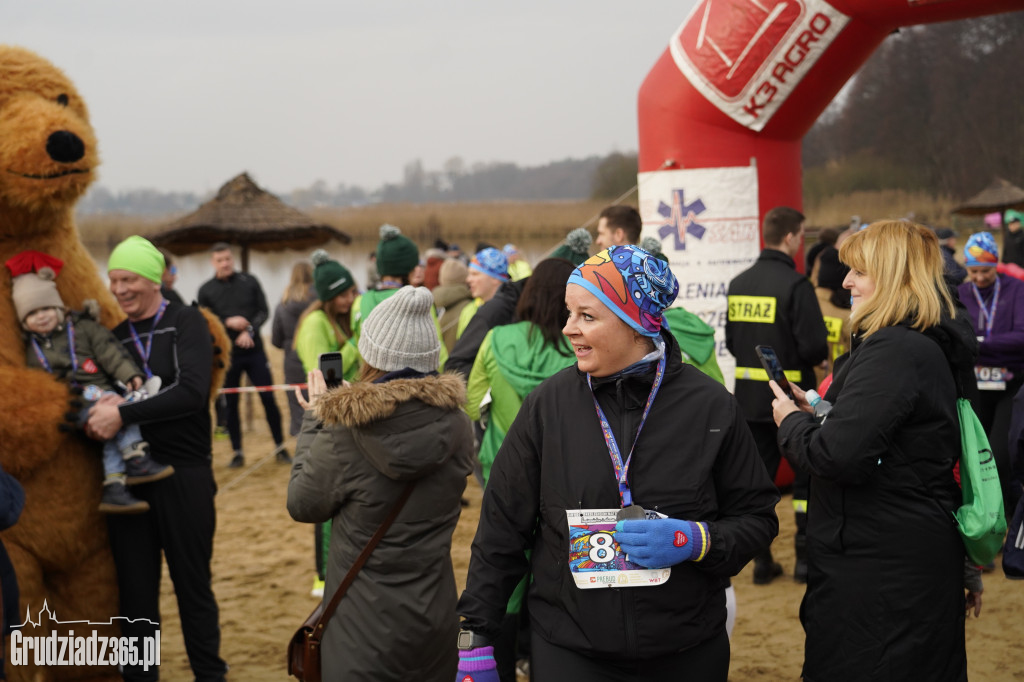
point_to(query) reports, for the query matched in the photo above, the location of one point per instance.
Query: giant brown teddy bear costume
(59, 547)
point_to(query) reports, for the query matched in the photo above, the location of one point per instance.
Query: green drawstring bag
(981, 519)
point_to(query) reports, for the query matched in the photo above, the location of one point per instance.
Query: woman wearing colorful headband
(635, 482)
(995, 306)
(885, 597)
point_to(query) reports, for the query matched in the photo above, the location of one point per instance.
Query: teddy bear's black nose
(65, 147)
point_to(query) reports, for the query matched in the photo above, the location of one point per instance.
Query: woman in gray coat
(360, 445)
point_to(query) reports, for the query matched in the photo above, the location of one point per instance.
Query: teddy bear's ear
(91, 307)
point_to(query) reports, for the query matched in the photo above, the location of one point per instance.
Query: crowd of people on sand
(624, 485)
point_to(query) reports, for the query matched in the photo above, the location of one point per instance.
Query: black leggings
(706, 662)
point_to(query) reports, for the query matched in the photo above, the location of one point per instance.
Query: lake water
(273, 269)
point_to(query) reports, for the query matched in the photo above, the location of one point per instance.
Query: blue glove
(658, 543)
(477, 665)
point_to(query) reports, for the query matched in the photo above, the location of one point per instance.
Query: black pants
(254, 364)
(766, 438)
(180, 523)
(994, 411)
(706, 662)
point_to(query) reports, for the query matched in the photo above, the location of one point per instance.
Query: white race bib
(595, 559)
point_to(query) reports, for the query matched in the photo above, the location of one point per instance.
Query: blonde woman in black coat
(885, 597)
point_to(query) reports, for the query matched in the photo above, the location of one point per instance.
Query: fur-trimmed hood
(363, 403)
(404, 427)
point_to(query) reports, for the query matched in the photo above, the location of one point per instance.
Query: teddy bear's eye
(62, 100)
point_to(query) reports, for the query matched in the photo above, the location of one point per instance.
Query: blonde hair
(299, 285)
(904, 260)
(369, 374)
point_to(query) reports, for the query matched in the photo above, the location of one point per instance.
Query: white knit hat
(33, 291)
(400, 333)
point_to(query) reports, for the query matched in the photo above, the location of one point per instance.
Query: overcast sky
(186, 94)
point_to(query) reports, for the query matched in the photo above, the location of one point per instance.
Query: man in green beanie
(170, 341)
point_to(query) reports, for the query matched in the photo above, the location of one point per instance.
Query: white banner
(707, 222)
(747, 56)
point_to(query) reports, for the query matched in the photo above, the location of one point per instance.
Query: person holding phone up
(359, 447)
(885, 587)
(325, 327)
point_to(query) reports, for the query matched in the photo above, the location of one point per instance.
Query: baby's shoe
(141, 468)
(117, 500)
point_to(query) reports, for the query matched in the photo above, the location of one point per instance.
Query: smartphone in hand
(770, 362)
(332, 368)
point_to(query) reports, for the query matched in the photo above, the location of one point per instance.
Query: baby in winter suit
(77, 349)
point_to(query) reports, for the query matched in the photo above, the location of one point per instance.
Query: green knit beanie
(136, 254)
(576, 247)
(397, 255)
(330, 277)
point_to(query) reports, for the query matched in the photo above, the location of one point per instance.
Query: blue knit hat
(981, 251)
(492, 263)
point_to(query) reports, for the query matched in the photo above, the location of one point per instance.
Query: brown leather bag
(304, 647)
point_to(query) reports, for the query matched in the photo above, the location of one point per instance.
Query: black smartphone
(331, 366)
(770, 362)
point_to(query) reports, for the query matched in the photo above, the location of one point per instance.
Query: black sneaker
(144, 469)
(238, 461)
(117, 500)
(282, 456)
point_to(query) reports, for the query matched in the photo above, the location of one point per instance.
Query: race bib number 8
(595, 559)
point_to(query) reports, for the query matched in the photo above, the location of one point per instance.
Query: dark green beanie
(397, 255)
(330, 277)
(576, 247)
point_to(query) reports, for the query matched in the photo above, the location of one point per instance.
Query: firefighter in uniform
(774, 305)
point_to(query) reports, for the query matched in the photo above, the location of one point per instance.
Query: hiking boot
(765, 572)
(281, 454)
(800, 568)
(139, 467)
(766, 569)
(117, 500)
(238, 461)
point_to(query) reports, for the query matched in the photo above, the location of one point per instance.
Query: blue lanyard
(144, 352)
(986, 315)
(71, 352)
(622, 468)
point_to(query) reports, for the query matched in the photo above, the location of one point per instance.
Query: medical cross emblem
(681, 219)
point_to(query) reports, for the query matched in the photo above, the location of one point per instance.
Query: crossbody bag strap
(360, 560)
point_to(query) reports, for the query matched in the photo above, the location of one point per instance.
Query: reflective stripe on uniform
(758, 374)
(800, 506)
(752, 309)
(834, 325)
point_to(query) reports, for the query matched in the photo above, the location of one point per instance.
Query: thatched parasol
(998, 196)
(245, 214)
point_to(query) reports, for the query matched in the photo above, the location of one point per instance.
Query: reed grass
(534, 222)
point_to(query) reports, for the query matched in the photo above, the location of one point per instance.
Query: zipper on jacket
(632, 638)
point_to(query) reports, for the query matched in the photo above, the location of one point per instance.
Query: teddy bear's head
(48, 151)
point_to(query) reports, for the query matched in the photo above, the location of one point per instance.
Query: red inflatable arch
(743, 80)
(722, 113)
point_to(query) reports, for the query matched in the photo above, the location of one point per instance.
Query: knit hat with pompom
(397, 255)
(330, 277)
